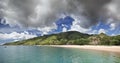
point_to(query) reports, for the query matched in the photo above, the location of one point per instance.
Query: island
(71, 38)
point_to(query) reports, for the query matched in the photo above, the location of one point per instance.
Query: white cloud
(76, 26)
(46, 30)
(93, 32)
(112, 26)
(16, 36)
(113, 34)
(101, 31)
(64, 29)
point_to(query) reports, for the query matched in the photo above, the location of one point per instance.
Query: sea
(47, 54)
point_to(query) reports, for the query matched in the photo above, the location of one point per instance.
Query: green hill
(70, 38)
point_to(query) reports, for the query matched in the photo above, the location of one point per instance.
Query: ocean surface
(44, 54)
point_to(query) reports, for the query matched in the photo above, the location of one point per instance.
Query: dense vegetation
(70, 38)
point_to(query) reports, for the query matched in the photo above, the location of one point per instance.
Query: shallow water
(42, 54)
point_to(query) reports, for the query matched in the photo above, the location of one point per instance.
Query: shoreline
(87, 47)
(91, 47)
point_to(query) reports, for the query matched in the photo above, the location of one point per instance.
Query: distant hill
(70, 38)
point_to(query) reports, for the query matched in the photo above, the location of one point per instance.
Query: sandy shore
(100, 48)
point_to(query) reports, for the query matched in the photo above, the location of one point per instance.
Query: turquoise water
(40, 54)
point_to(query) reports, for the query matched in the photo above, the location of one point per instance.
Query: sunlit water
(42, 54)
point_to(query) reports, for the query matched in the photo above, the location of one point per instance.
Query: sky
(24, 19)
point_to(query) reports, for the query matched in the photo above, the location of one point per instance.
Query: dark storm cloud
(112, 12)
(42, 13)
(93, 9)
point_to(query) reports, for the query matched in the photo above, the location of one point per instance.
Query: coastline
(91, 47)
(87, 47)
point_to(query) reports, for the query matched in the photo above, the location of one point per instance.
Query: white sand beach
(91, 47)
